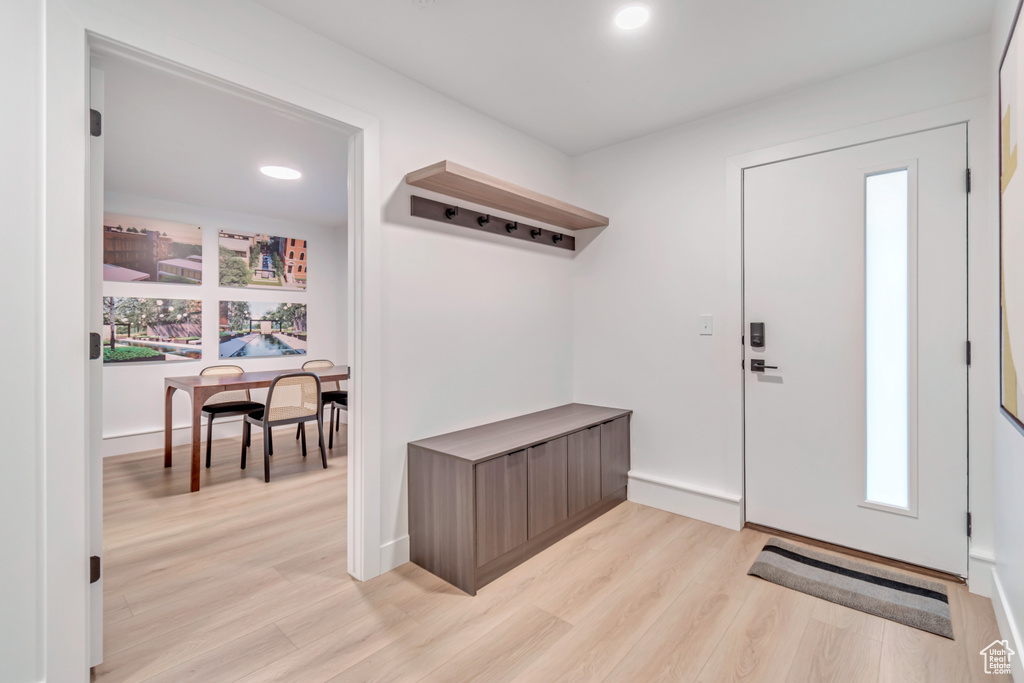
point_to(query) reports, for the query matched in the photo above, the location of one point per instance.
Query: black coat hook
(451, 212)
(484, 220)
(535, 233)
(512, 227)
(557, 237)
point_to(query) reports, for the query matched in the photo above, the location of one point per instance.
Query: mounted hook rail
(485, 222)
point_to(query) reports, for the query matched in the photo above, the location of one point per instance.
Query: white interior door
(855, 261)
(94, 424)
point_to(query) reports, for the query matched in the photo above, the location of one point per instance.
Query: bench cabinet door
(500, 506)
(614, 455)
(584, 469)
(546, 466)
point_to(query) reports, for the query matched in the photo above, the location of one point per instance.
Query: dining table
(201, 387)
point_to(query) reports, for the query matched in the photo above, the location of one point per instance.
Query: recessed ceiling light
(280, 172)
(632, 16)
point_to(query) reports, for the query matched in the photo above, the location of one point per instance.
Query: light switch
(706, 325)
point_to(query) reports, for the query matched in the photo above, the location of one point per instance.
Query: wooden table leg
(197, 429)
(168, 403)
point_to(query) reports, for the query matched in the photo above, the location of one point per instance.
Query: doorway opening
(198, 259)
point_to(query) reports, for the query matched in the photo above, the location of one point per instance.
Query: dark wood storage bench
(483, 500)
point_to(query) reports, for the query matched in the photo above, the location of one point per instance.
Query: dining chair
(333, 394)
(225, 403)
(292, 399)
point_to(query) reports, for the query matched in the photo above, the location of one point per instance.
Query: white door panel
(804, 277)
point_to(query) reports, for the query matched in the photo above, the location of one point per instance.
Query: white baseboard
(152, 439)
(979, 572)
(715, 507)
(1007, 626)
(394, 554)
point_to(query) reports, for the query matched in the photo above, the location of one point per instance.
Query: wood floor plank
(208, 630)
(978, 629)
(617, 558)
(913, 656)
(504, 652)
(677, 646)
(329, 559)
(338, 650)
(840, 616)
(316, 619)
(115, 608)
(250, 652)
(760, 643)
(829, 654)
(728, 569)
(604, 635)
(186, 608)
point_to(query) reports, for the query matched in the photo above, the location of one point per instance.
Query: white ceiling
(561, 72)
(174, 138)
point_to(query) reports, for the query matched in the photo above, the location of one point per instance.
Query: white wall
(133, 418)
(20, 501)
(1008, 465)
(672, 253)
(475, 327)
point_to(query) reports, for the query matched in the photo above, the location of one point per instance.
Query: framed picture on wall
(139, 249)
(1011, 227)
(259, 261)
(151, 330)
(254, 329)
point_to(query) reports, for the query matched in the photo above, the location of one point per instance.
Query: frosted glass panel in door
(886, 249)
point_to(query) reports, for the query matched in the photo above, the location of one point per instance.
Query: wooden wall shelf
(454, 180)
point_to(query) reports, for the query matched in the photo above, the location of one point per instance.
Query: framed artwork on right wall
(1011, 228)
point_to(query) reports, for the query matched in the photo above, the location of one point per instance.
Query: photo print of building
(151, 330)
(260, 261)
(250, 328)
(138, 249)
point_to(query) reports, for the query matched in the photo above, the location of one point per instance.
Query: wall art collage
(146, 253)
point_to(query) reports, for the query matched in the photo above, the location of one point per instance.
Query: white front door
(855, 261)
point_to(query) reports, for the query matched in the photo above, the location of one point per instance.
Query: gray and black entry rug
(884, 593)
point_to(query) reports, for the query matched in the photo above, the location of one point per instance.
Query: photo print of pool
(138, 249)
(258, 261)
(151, 330)
(253, 329)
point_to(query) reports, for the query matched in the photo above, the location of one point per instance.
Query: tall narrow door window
(887, 309)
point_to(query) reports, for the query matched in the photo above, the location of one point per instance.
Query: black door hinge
(743, 365)
(95, 346)
(968, 353)
(968, 525)
(968, 178)
(94, 569)
(95, 123)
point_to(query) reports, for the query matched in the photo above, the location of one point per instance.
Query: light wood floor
(246, 581)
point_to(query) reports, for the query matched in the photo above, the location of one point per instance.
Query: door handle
(757, 365)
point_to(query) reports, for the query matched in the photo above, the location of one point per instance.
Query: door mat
(888, 594)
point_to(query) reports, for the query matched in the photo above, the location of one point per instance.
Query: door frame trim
(974, 113)
(67, 36)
